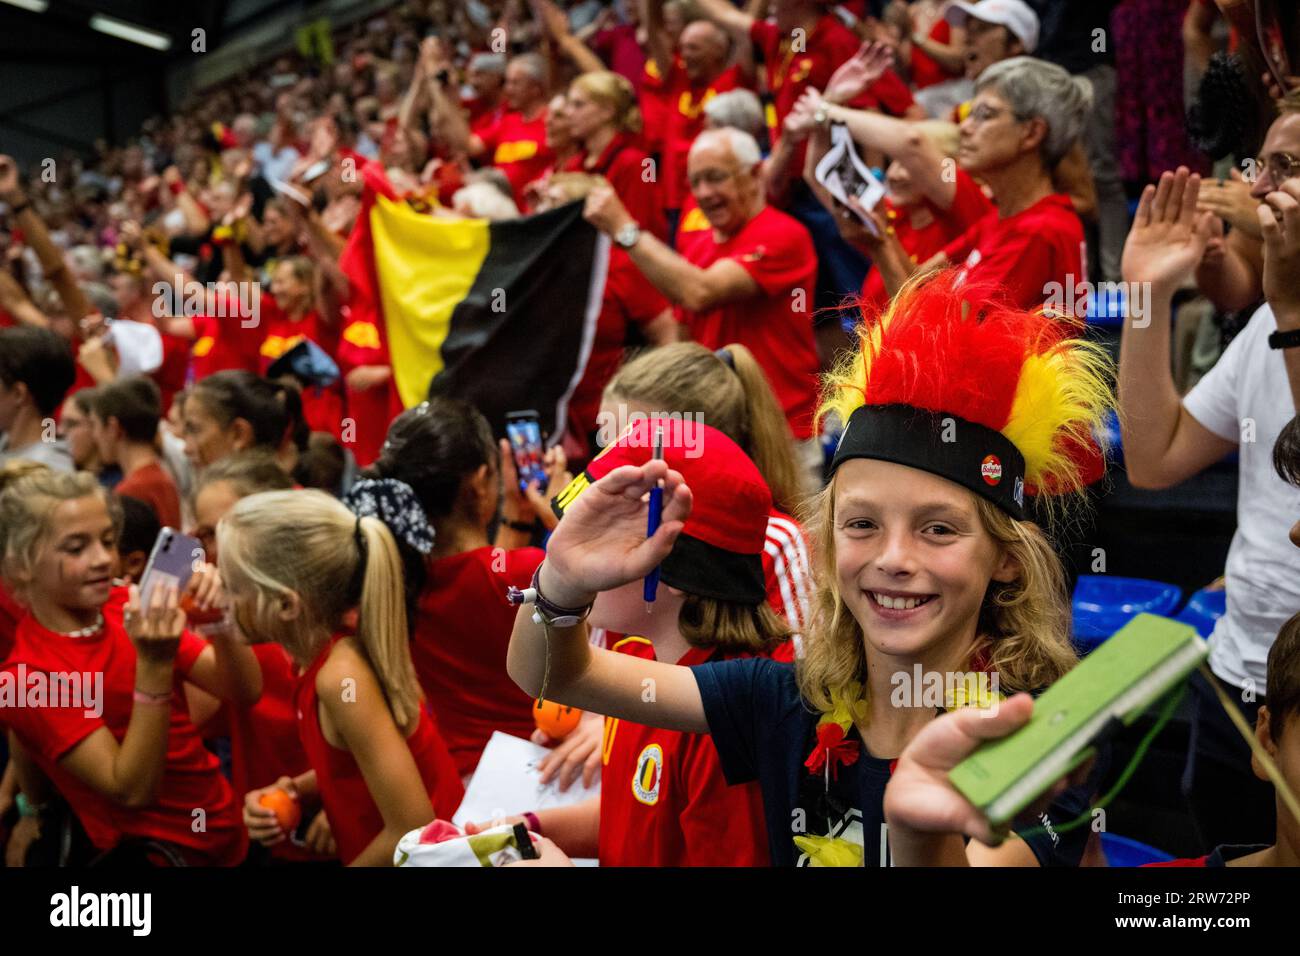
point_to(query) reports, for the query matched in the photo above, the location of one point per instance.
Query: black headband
(976, 457)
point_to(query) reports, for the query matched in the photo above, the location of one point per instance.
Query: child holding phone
(296, 565)
(125, 755)
(926, 564)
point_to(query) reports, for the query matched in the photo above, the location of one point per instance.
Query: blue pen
(652, 523)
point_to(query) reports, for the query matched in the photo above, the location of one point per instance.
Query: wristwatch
(545, 612)
(1284, 340)
(627, 236)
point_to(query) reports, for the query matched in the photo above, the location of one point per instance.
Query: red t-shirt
(170, 376)
(630, 298)
(517, 147)
(683, 121)
(789, 71)
(11, 612)
(462, 630)
(926, 71)
(776, 325)
(653, 100)
(482, 114)
(322, 405)
(152, 485)
(191, 780)
(370, 411)
(353, 815)
(664, 800)
(628, 170)
(229, 341)
(1024, 253)
(933, 230)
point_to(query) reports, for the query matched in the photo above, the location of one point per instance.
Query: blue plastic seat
(1104, 603)
(1122, 851)
(1107, 307)
(1203, 609)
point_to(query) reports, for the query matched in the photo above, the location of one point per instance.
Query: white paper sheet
(844, 174)
(507, 782)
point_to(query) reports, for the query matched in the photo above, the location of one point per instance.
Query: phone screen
(525, 436)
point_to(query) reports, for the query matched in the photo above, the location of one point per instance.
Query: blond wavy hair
(1023, 632)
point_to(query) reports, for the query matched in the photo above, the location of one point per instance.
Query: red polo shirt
(629, 299)
(517, 147)
(924, 229)
(370, 411)
(635, 179)
(664, 800)
(683, 120)
(1024, 253)
(776, 325)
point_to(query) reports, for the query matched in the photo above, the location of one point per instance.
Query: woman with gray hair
(1025, 116)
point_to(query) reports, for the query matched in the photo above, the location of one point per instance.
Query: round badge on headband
(395, 504)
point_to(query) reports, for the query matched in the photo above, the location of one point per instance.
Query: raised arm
(657, 39)
(55, 269)
(554, 24)
(688, 285)
(601, 544)
(734, 21)
(129, 772)
(1163, 443)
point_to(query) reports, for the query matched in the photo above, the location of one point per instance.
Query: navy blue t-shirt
(764, 731)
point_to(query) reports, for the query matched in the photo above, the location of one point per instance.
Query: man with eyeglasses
(1242, 404)
(747, 279)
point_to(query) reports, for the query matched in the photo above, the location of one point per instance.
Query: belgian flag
(499, 314)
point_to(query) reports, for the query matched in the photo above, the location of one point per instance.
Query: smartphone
(172, 561)
(524, 431)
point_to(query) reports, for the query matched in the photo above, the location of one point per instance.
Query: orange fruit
(285, 807)
(555, 720)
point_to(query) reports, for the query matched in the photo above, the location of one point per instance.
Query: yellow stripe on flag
(425, 267)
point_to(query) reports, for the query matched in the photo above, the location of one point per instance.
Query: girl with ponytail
(296, 565)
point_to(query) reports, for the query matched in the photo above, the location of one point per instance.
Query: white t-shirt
(1248, 386)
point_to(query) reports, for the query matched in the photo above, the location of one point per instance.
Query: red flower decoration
(832, 749)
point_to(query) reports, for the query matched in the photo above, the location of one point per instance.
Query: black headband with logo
(978, 458)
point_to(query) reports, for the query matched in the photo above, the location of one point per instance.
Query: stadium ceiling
(108, 32)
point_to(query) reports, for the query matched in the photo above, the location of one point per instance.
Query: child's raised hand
(558, 477)
(548, 854)
(601, 543)
(156, 630)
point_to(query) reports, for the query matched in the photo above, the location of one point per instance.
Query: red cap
(719, 552)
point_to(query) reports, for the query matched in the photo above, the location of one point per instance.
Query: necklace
(85, 631)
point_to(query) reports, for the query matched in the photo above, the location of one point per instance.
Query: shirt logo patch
(991, 469)
(515, 152)
(203, 346)
(649, 768)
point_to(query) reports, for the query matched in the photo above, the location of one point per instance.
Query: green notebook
(1117, 681)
